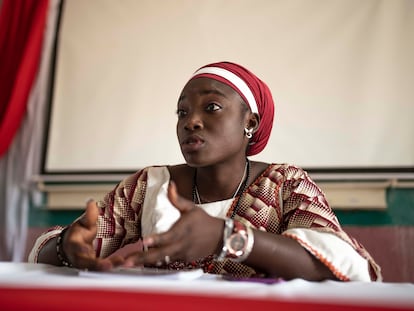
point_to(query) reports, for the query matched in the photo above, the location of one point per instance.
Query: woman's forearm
(281, 256)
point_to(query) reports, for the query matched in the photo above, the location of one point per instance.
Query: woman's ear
(253, 121)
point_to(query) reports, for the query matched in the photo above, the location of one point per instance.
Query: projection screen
(341, 73)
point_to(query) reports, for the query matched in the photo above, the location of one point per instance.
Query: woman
(219, 211)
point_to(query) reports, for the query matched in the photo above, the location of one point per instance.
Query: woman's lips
(192, 143)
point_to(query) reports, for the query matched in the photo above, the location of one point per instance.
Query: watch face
(237, 243)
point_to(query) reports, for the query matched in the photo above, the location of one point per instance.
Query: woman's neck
(219, 183)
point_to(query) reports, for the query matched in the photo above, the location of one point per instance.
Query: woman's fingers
(85, 228)
(90, 217)
(98, 264)
(169, 237)
(153, 256)
(78, 242)
(78, 239)
(182, 204)
(178, 242)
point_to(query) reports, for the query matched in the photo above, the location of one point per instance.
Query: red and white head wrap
(254, 92)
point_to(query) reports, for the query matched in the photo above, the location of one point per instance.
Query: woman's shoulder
(286, 170)
(280, 173)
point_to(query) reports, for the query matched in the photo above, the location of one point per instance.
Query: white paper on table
(122, 272)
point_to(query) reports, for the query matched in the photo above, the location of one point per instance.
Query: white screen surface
(341, 73)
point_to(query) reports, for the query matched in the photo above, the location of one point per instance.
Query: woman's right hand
(78, 240)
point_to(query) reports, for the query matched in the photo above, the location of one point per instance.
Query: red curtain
(22, 25)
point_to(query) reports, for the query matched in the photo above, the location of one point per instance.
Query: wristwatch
(238, 241)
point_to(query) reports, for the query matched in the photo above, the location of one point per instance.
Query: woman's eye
(181, 113)
(213, 107)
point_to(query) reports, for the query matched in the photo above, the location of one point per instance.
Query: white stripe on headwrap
(237, 81)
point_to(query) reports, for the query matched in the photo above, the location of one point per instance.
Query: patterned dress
(282, 200)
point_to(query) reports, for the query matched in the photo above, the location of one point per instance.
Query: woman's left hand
(194, 235)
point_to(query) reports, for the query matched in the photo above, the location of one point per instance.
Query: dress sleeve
(41, 242)
(309, 220)
(118, 221)
(119, 215)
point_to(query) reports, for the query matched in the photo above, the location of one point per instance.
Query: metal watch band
(228, 230)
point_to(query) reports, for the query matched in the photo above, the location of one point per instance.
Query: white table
(45, 287)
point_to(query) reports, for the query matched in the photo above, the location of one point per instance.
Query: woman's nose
(193, 122)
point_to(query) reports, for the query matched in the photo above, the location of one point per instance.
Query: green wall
(400, 211)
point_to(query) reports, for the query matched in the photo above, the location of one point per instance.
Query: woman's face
(211, 122)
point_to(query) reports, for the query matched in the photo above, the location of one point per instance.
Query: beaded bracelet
(59, 249)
